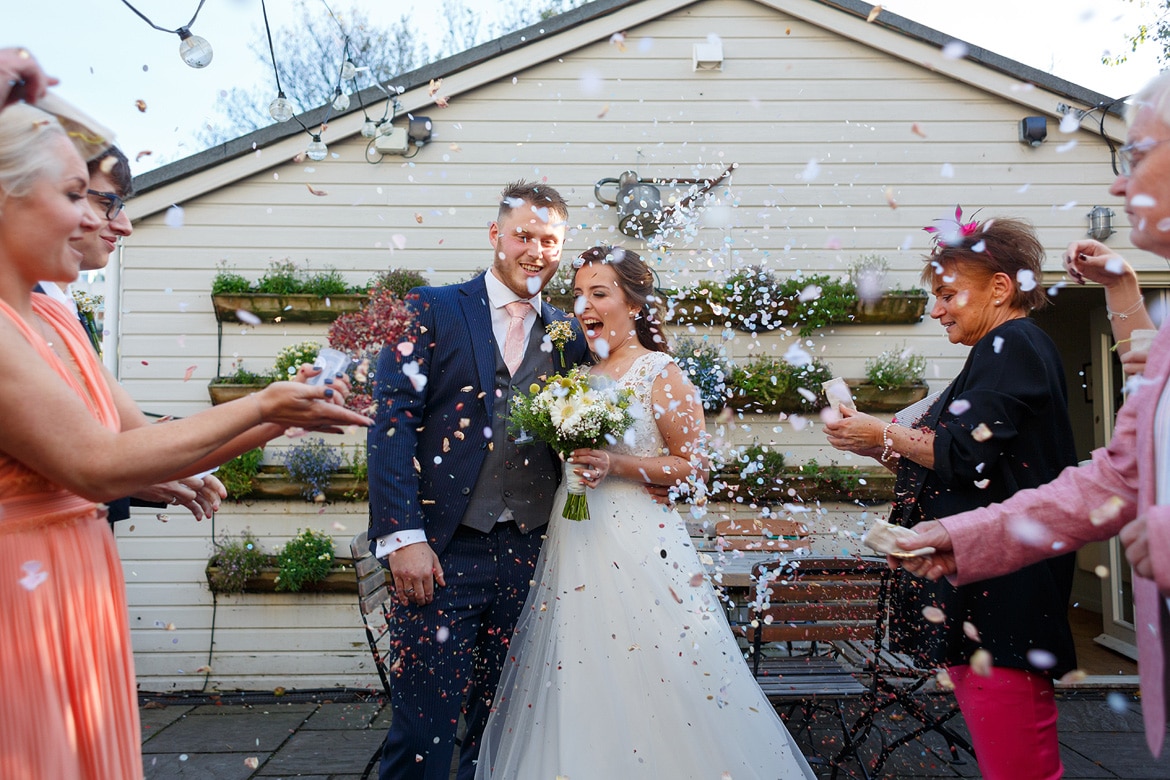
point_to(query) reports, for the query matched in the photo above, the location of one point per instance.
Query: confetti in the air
(981, 432)
(1107, 512)
(315, 191)
(873, 13)
(34, 575)
(174, 217)
(140, 105)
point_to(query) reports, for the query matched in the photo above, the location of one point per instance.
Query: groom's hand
(415, 570)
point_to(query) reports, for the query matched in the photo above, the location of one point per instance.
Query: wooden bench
(767, 534)
(830, 614)
(373, 603)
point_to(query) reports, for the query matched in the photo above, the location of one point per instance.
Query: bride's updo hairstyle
(637, 283)
(26, 153)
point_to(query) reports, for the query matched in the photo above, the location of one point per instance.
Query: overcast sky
(108, 59)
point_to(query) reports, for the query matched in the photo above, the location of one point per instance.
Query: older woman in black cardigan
(1002, 425)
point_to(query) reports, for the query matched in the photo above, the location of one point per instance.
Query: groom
(457, 508)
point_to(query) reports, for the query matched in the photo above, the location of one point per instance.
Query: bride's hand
(594, 465)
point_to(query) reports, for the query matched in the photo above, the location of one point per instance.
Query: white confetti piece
(252, 762)
(1116, 702)
(981, 432)
(1073, 677)
(997, 344)
(955, 50)
(959, 407)
(174, 217)
(1102, 572)
(1142, 201)
(1028, 531)
(934, 614)
(947, 171)
(1026, 279)
(33, 575)
(1070, 123)
(811, 171)
(1041, 659)
(247, 317)
(970, 631)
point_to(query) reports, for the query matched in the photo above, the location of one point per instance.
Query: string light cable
(194, 49)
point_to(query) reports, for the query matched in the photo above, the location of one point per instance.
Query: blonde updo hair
(26, 153)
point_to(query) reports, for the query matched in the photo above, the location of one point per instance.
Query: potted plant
(874, 304)
(708, 368)
(759, 476)
(235, 562)
(894, 380)
(242, 382)
(384, 318)
(311, 464)
(703, 304)
(239, 383)
(775, 385)
(238, 475)
(307, 558)
(305, 565)
(285, 293)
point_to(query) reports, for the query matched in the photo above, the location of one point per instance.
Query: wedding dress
(622, 665)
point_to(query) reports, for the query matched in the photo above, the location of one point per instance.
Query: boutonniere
(559, 334)
(87, 308)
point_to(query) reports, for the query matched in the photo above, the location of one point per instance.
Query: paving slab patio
(332, 735)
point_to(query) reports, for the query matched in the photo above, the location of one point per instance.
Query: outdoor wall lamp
(1033, 130)
(419, 129)
(1100, 223)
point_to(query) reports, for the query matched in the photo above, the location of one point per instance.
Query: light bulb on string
(348, 70)
(194, 49)
(340, 100)
(369, 129)
(317, 150)
(281, 109)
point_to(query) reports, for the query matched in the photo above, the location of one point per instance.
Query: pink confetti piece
(189, 373)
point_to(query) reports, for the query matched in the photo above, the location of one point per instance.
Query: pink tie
(514, 339)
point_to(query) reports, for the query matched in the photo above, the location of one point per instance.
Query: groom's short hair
(517, 193)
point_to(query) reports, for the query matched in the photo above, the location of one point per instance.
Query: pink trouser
(1012, 719)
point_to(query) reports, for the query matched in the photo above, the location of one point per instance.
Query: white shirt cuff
(396, 541)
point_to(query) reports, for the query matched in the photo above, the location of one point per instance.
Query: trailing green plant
(237, 474)
(312, 463)
(281, 278)
(229, 282)
(307, 558)
(398, 282)
(290, 358)
(242, 376)
(773, 383)
(842, 478)
(284, 277)
(816, 301)
(896, 368)
(708, 368)
(326, 282)
(236, 561)
(359, 465)
(761, 471)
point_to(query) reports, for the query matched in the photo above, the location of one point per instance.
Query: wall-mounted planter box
(792, 487)
(890, 309)
(870, 398)
(289, 308)
(340, 580)
(222, 392)
(272, 483)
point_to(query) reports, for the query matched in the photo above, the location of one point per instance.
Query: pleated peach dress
(68, 707)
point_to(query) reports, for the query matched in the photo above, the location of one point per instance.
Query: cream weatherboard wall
(887, 119)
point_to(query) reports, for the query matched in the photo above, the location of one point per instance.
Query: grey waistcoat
(521, 478)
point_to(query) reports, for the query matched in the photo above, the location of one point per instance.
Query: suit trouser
(451, 651)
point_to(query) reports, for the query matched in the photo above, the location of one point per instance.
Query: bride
(622, 664)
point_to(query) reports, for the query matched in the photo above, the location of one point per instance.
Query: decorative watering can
(639, 204)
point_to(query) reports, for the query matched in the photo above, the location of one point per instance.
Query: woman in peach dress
(68, 704)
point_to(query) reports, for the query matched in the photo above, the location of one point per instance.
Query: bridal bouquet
(571, 412)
